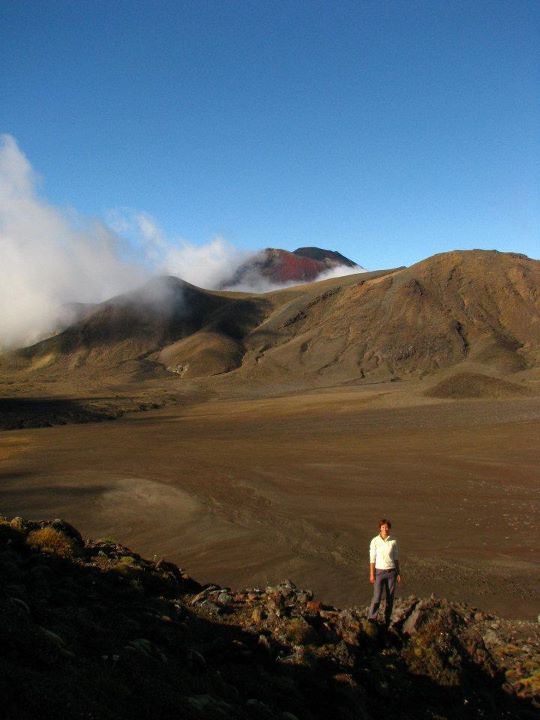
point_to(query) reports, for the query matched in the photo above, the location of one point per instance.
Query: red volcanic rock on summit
(280, 266)
(283, 266)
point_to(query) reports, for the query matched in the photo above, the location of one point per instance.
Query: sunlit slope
(476, 307)
(128, 332)
(474, 311)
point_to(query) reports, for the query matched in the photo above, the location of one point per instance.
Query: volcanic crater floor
(246, 491)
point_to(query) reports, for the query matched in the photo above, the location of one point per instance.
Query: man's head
(384, 527)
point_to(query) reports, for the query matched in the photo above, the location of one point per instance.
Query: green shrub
(127, 565)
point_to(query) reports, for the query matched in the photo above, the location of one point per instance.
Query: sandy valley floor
(251, 491)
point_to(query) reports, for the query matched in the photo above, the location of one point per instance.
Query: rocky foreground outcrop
(91, 630)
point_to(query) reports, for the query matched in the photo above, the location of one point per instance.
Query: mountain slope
(128, 329)
(477, 306)
(329, 257)
(476, 310)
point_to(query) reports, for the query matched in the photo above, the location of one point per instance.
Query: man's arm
(396, 563)
(372, 558)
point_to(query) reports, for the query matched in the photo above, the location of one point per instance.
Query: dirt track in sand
(248, 492)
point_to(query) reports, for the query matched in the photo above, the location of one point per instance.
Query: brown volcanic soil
(249, 491)
(475, 385)
(475, 307)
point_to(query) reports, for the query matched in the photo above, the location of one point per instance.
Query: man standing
(383, 570)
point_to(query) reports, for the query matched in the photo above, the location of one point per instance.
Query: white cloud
(149, 230)
(49, 257)
(208, 265)
(212, 265)
(254, 282)
(341, 271)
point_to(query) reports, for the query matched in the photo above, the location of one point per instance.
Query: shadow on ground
(93, 630)
(27, 412)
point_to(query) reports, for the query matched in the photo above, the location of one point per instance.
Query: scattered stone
(196, 660)
(20, 603)
(212, 707)
(370, 629)
(411, 624)
(264, 643)
(211, 607)
(173, 648)
(490, 637)
(67, 530)
(259, 710)
(225, 598)
(17, 523)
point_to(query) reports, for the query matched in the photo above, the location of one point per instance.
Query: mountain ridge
(468, 310)
(316, 253)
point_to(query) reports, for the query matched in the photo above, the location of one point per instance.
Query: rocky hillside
(454, 308)
(475, 312)
(128, 332)
(329, 257)
(92, 630)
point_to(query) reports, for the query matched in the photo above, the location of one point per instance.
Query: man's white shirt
(384, 553)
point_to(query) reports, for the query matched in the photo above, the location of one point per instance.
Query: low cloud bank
(52, 258)
(208, 266)
(49, 258)
(212, 265)
(253, 282)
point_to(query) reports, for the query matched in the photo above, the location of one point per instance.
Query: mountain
(91, 629)
(277, 267)
(475, 312)
(126, 330)
(329, 257)
(458, 308)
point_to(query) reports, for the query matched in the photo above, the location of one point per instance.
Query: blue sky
(386, 130)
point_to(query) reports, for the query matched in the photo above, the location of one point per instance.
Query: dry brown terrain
(250, 491)
(278, 428)
(474, 307)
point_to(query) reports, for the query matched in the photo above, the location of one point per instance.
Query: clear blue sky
(386, 130)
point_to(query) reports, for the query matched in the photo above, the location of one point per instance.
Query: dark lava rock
(103, 634)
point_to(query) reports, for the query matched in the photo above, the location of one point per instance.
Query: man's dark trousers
(384, 579)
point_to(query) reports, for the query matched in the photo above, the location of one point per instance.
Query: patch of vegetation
(300, 632)
(127, 565)
(50, 540)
